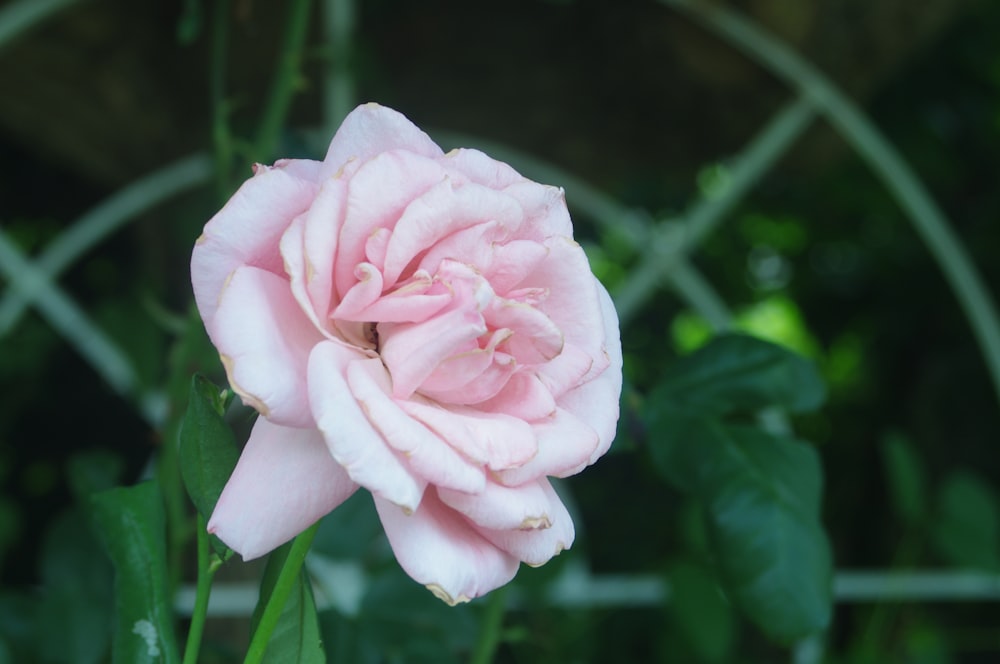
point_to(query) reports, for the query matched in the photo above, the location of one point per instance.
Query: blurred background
(124, 125)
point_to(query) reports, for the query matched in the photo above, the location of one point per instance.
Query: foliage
(804, 397)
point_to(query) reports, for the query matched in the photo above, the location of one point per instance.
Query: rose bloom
(419, 324)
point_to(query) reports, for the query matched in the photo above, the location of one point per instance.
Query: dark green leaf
(905, 475)
(737, 373)
(966, 529)
(208, 449)
(131, 522)
(296, 638)
(76, 601)
(702, 613)
(762, 498)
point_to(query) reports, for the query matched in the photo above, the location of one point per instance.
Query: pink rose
(417, 323)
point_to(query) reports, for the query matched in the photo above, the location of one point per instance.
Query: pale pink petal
(498, 441)
(447, 208)
(412, 351)
(427, 455)
(320, 240)
(573, 302)
(481, 168)
(438, 548)
(304, 169)
(503, 507)
(284, 482)
(366, 290)
(377, 195)
(524, 396)
(461, 369)
(565, 371)
(535, 338)
(564, 442)
(537, 546)
(292, 252)
(487, 385)
(372, 129)
(246, 231)
(352, 440)
(264, 339)
(596, 402)
(474, 245)
(376, 245)
(413, 302)
(512, 262)
(544, 210)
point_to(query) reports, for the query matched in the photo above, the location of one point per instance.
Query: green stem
(490, 631)
(206, 571)
(285, 81)
(338, 89)
(279, 595)
(927, 219)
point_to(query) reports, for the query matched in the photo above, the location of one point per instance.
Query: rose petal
(502, 507)
(447, 208)
(537, 546)
(320, 241)
(412, 351)
(481, 168)
(544, 208)
(284, 482)
(264, 339)
(512, 263)
(535, 338)
(352, 440)
(573, 302)
(597, 401)
(498, 441)
(372, 129)
(426, 454)
(437, 548)
(246, 231)
(377, 195)
(524, 396)
(564, 442)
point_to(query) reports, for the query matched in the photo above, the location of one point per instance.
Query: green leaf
(296, 638)
(737, 373)
(208, 449)
(76, 601)
(762, 501)
(906, 478)
(700, 610)
(966, 530)
(131, 522)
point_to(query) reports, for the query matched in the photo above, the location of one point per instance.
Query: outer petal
(264, 339)
(481, 168)
(597, 402)
(372, 129)
(537, 546)
(502, 507)
(438, 548)
(564, 443)
(352, 440)
(246, 231)
(285, 480)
